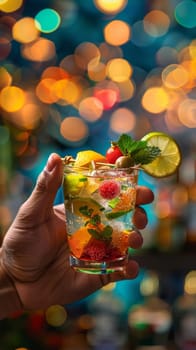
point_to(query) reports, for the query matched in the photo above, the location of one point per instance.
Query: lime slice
(73, 184)
(116, 214)
(169, 160)
(86, 157)
(77, 204)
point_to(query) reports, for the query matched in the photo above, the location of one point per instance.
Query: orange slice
(78, 241)
(86, 157)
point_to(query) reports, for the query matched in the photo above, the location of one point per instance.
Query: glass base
(96, 267)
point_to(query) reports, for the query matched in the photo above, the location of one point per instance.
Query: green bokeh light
(185, 13)
(47, 20)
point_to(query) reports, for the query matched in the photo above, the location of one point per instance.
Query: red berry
(109, 189)
(113, 153)
(94, 250)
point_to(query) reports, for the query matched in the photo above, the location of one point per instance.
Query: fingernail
(50, 163)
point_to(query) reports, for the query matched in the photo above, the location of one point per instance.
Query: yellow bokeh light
(119, 70)
(117, 33)
(175, 76)
(126, 90)
(25, 31)
(73, 129)
(192, 49)
(5, 78)
(12, 98)
(10, 5)
(29, 117)
(155, 100)
(190, 283)
(110, 6)
(56, 315)
(45, 91)
(67, 90)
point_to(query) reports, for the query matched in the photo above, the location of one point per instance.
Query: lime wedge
(116, 214)
(169, 160)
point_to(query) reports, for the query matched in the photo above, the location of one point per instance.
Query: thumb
(41, 200)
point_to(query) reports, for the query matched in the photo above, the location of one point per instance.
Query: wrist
(9, 299)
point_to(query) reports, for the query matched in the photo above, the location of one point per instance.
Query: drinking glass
(99, 205)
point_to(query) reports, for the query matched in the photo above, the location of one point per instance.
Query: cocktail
(100, 196)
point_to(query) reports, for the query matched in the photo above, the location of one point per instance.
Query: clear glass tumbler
(99, 205)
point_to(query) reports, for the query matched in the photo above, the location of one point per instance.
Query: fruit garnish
(84, 158)
(156, 153)
(77, 241)
(82, 206)
(137, 152)
(100, 250)
(124, 162)
(122, 205)
(73, 183)
(169, 159)
(93, 222)
(95, 250)
(113, 153)
(109, 189)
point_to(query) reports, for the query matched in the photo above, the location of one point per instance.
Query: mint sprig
(93, 223)
(139, 150)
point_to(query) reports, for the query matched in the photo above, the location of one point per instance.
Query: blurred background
(74, 75)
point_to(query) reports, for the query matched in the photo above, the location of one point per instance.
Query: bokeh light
(190, 283)
(117, 32)
(119, 70)
(122, 120)
(39, 50)
(155, 100)
(110, 6)
(56, 315)
(25, 31)
(10, 5)
(12, 98)
(74, 129)
(90, 108)
(185, 13)
(47, 20)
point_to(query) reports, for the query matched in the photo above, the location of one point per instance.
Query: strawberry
(109, 189)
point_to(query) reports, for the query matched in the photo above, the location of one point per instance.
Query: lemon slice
(169, 160)
(86, 157)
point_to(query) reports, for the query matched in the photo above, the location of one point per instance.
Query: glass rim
(101, 171)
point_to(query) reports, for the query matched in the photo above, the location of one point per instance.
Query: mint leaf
(94, 233)
(146, 155)
(125, 143)
(138, 151)
(107, 232)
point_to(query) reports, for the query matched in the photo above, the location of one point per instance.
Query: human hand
(35, 253)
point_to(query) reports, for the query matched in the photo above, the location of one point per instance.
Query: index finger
(144, 195)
